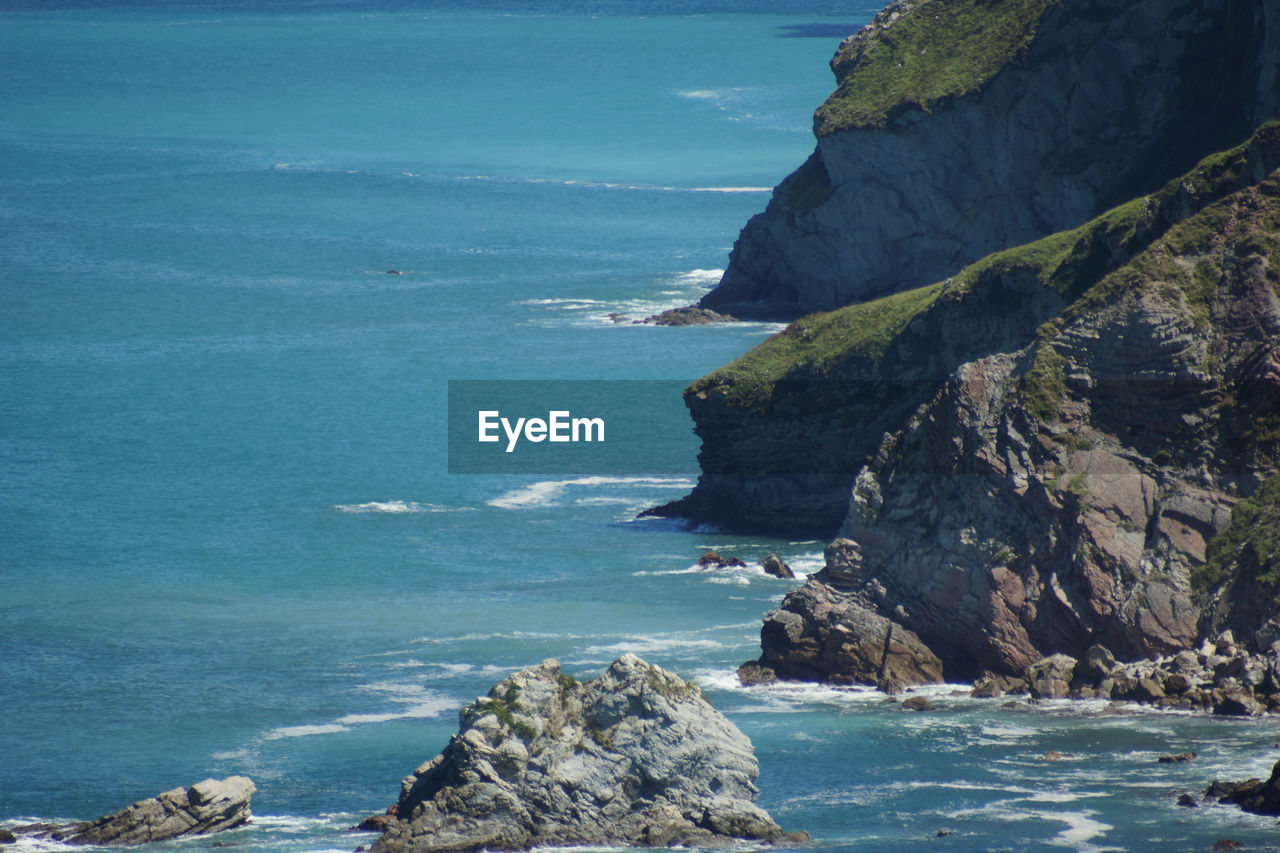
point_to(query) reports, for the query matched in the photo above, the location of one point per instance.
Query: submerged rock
(690, 315)
(206, 807)
(635, 757)
(713, 560)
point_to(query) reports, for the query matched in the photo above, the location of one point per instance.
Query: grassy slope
(1080, 264)
(936, 51)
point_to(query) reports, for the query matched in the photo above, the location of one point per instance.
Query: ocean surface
(229, 542)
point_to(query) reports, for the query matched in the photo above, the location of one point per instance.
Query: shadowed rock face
(1108, 100)
(206, 807)
(1099, 407)
(635, 757)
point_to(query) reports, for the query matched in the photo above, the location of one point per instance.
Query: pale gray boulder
(206, 807)
(634, 757)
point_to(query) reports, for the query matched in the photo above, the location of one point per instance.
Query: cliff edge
(1068, 443)
(964, 127)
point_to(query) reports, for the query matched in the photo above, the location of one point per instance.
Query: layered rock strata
(1044, 451)
(635, 757)
(963, 128)
(206, 807)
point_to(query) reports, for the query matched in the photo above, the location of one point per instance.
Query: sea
(245, 248)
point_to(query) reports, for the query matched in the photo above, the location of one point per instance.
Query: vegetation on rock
(924, 53)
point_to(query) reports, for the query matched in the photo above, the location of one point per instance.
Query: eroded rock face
(635, 757)
(206, 807)
(1110, 99)
(824, 634)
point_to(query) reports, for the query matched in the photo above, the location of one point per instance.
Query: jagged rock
(1049, 678)
(823, 634)
(713, 560)
(917, 703)
(1187, 801)
(1253, 795)
(7, 837)
(635, 757)
(842, 565)
(773, 565)
(1176, 759)
(1097, 663)
(206, 807)
(690, 315)
(992, 685)
(1238, 703)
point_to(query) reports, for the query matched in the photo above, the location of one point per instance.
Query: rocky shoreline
(835, 629)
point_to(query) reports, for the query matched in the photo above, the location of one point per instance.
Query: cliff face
(1045, 450)
(964, 127)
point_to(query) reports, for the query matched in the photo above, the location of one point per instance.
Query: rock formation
(1040, 453)
(206, 807)
(825, 631)
(635, 757)
(963, 127)
(1252, 795)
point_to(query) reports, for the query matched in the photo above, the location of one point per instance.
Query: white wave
(289, 823)
(1081, 827)
(568, 305)
(304, 731)
(232, 755)
(396, 507)
(421, 711)
(702, 276)
(1064, 796)
(546, 493)
(733, 189)
(701, 94)
(731, 580)
(1009, 731)
(643, 644)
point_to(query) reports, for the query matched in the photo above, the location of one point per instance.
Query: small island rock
(773, 565)
(206, 807)
(635, 757)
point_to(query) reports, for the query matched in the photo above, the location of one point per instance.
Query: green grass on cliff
(938, 50)
(1251, 539)
(1131, 246)
(815, 343)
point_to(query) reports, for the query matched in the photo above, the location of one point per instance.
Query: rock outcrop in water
(826, 632)
(1068, 443)
(963, 127)
(206, 807)
(635, 757)
(1252, 795)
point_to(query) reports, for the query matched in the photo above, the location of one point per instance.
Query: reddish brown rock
(823, 634)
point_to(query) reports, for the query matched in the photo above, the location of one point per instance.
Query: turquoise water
(229, 542)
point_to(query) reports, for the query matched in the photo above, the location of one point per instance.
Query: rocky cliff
(635, 757)
(963, 127)
(1061, 445)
